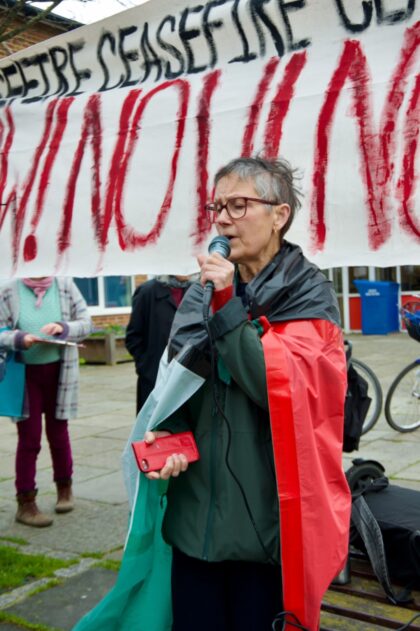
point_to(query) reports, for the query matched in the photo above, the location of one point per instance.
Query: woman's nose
(223, 217)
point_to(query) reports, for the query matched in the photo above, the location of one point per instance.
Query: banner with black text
(110, 134)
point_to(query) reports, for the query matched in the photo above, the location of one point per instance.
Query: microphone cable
(215, 392)
(281, 618)
(286, 618)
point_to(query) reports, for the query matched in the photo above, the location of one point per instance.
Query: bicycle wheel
(374, 391)
(402, 405)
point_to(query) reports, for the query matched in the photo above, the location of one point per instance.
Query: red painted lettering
(281, 103)
(377, 150)
(255, 109)
(30, 248)
(128, 237)
(203, 224)
(407, 181)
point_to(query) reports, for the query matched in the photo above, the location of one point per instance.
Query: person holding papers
(42, 319)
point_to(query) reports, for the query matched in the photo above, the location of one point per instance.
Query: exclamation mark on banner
(30, 248)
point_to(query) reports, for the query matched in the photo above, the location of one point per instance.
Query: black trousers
(225, 596)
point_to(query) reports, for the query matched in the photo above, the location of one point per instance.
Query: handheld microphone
(221, 245)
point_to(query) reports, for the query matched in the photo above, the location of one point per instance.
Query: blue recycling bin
(379, 306)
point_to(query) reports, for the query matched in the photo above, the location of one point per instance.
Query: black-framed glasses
(236, 207)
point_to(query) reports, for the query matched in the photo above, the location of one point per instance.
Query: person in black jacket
(154, 306)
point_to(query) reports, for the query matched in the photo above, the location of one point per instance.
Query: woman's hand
(29, 340)
(53, 328)
(175, 464)
(217, 269)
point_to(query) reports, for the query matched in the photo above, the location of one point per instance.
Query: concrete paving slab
(411, 473)
(107, 488)
(6, 470)
(96, 408)
(7, 427)
(92, 527)
(7, 516)
(8, 444)
(412, 437)
(62, 606)
(120, 433)
(7, 490)
(109, 460)
(96, 444)
(82, 473)
(83, 429)
(96, 425)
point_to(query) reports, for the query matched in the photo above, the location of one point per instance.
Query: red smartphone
(152, 457)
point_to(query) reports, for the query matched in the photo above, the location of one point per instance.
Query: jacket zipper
(210, 512)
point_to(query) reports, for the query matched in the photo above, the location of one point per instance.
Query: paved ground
(98, 524)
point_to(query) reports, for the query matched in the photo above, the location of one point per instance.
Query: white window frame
(100, 309)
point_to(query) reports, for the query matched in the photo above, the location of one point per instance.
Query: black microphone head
(221, 245)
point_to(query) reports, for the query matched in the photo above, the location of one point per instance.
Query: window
(117, 291)
(357, 273)
(111, 294)
(410, 278)
(89, 290)
(335, 275)
(386, 273)
(337, 279)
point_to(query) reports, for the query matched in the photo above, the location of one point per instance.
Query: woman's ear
(281, 216)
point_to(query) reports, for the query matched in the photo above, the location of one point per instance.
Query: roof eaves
(28, 10)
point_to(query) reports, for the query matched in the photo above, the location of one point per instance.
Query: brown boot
(28, 512)
(65, 500)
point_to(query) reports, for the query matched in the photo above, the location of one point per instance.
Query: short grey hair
(274, 180)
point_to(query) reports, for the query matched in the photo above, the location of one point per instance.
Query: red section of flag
(306, 380)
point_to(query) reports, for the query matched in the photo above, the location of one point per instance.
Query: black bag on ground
(396, 510)
(356, 407)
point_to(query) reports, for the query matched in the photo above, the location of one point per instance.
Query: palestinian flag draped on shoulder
(295, 309)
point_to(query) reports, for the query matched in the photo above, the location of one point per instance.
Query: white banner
(110, 134)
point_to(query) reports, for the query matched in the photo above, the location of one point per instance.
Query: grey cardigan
(77, 325)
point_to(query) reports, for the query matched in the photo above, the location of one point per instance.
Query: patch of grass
(43, 588)
(109, 564)
(92, 555)
(17, 568)
(24, 624)
(17, 540)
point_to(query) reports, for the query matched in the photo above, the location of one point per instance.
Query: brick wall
(139, 279)
(33, 35)
(99, 322)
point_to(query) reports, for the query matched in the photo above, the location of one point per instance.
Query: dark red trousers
(41, 388)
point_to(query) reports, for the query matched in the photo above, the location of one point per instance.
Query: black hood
(288, 288)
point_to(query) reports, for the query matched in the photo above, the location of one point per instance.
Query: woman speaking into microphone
(258, 526)
(267, 504)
